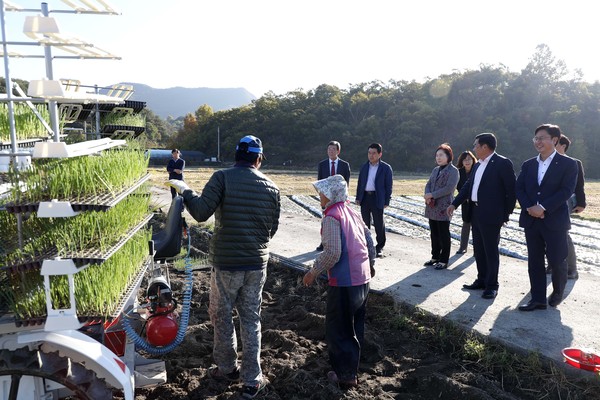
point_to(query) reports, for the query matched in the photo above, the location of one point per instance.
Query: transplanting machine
(75, 247)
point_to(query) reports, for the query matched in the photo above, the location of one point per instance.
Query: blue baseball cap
(250, 144)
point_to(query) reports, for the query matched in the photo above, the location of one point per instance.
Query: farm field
(408, 355)
(299, 183)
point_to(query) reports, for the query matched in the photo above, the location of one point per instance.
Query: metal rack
(60, 328)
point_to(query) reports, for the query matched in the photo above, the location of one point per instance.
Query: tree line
(411, 119)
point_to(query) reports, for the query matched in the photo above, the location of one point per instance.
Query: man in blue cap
(246, 205)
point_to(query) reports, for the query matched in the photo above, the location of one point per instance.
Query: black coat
(465, 207)
(496, 194)
(343, 169)
(246, 205)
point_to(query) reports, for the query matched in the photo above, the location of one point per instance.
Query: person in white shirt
(491, 191)
(374, 192)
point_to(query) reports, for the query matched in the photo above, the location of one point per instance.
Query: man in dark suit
(491, 192)
(576, 205)
(374, 192)
(544, 185)
(333, 165)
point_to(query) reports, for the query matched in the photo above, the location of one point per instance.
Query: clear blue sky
(283, 45)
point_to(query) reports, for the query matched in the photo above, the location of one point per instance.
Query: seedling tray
(130, 291)
(101, 202)
(81, 259)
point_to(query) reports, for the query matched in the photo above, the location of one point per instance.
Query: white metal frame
(59, 332)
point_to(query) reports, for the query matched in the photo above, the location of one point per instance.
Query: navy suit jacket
(343, 169)
(496, 194)
(383, 183)
(557, 186)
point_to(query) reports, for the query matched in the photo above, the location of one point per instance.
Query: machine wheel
(83, 383)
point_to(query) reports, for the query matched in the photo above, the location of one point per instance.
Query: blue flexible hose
(183, 318)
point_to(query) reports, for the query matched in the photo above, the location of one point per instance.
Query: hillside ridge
(179, 101)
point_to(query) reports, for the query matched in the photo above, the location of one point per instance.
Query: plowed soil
(403, 358)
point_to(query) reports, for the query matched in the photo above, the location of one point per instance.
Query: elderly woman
(439, 193)
(348, 257)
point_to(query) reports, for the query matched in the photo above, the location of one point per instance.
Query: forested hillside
(411, 119)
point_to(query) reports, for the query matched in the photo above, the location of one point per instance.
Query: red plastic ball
(161, 330)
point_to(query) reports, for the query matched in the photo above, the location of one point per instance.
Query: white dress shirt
(370, 187)
(543, 166)
(478, 174)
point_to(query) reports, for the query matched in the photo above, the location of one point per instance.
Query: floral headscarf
(334, 188)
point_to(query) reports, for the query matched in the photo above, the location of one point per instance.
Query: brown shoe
(343, 384)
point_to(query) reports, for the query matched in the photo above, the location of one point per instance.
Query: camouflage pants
(241, 290)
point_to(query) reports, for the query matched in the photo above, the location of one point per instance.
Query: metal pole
(52, 105)
(97, 136)
(8, 83)
(218, 143)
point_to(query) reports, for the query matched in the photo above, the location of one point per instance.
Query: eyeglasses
(537, 139)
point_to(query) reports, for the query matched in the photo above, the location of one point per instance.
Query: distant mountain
(179, 101)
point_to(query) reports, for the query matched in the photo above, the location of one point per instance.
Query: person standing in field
(246, 205)
(439, 193)
(491, 192)
(333, 165)
(576, 203)
(175, 168)
(465, 164)
(544, 186)
(348, 257)
(374, 192)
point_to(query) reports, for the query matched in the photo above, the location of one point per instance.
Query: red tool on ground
(585, 359)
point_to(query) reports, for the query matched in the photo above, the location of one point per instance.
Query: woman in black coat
(466, 162)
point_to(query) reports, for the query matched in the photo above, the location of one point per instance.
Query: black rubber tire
(81, 381)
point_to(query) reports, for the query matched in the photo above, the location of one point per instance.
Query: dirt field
(406, 356)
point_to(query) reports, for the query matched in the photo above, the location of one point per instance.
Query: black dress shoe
(489, 294)
(532, 305)
(441, 265)
(430, 262)
(573, 275)
(379, 254)
(474, 286)
(555, 299)
(461, 251)
(320, 247)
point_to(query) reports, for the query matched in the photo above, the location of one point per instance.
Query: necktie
(332, 168)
